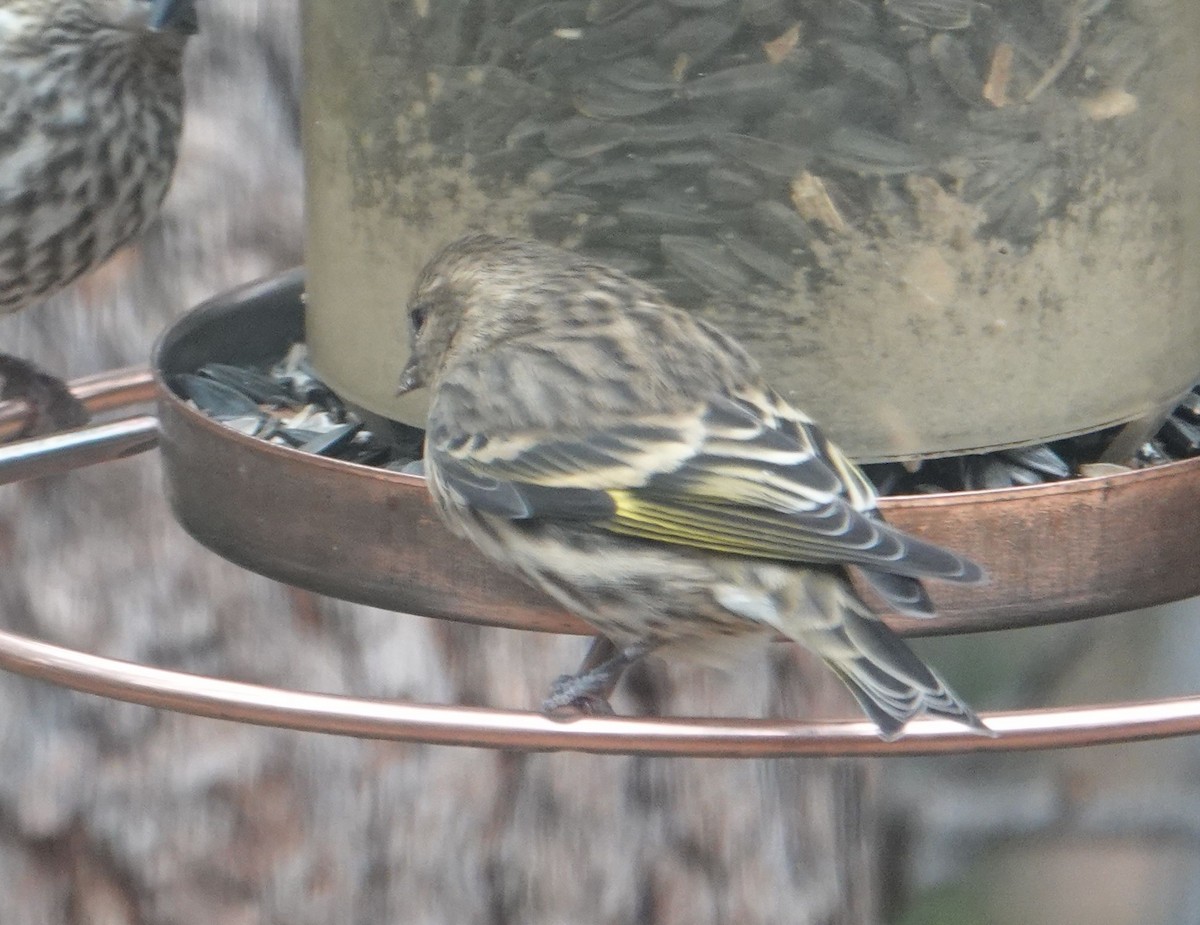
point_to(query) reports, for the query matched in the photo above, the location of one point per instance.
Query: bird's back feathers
(735, 471)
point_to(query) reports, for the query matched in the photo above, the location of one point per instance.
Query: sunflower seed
(1040, 459)
(872, 66)
(1011, 121)
(952, 58)
(526, 132)
(260, 389)
(940, 15)
(696, 39)
(618, 38)
(1189, 407)
(683, 158)
(661, 134)
(543, 19)
(1152, 454)
(847, 17)
(641, 75)
(300, 379)
(981, 473)
(602, 11)
(870, 153)
(329, 442)
(216, 399)
(731, 186)
(552, 174)
(602, 101)
(998, 170)
(663, 215)
(744, 85)
(706, 264)
(1180, 437)
(886, 477)
(763, 262)
(256, 425)
(767, 14)
(779, 225)
(1020, 475)
(579, 137)
(807, 114)
(1022, 219)
(618, 174)
(769, 157)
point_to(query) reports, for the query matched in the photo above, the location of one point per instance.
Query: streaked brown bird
(91, 108)
(629, 459)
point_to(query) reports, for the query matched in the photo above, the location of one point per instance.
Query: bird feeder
(943, 226)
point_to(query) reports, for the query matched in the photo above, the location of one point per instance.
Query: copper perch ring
(506, 729)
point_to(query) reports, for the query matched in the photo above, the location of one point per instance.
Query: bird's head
(476, 292)
(87, 17)
(174, 17)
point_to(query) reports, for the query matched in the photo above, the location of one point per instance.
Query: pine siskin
(628, 459)
(91, 104)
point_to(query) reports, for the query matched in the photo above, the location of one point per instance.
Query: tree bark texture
(112, 814)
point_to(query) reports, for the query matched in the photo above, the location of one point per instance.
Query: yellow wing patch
(707, 525)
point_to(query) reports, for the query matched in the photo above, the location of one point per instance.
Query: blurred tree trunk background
(113, 814)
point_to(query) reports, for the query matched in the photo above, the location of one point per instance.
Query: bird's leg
(51, 405)
(587, 691)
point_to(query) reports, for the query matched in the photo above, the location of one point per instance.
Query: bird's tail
(885, 676)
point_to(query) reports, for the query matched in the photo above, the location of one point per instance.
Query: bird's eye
(417, 316)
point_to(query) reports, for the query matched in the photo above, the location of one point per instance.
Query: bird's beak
(409, 377)
(174, 16)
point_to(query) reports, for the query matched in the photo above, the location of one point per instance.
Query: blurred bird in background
(91, 108)
(628, 459)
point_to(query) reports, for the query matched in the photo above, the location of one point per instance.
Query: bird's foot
(586, 693)
(574, 695)
(52, 407)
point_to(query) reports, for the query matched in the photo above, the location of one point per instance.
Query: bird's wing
(738, 474)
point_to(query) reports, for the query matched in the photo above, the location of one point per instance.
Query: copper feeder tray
(1056, 552)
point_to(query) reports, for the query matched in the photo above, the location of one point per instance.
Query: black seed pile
(286, 404)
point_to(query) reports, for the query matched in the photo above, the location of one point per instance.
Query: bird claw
(572, 696)
(52, 407)
(586, 692)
